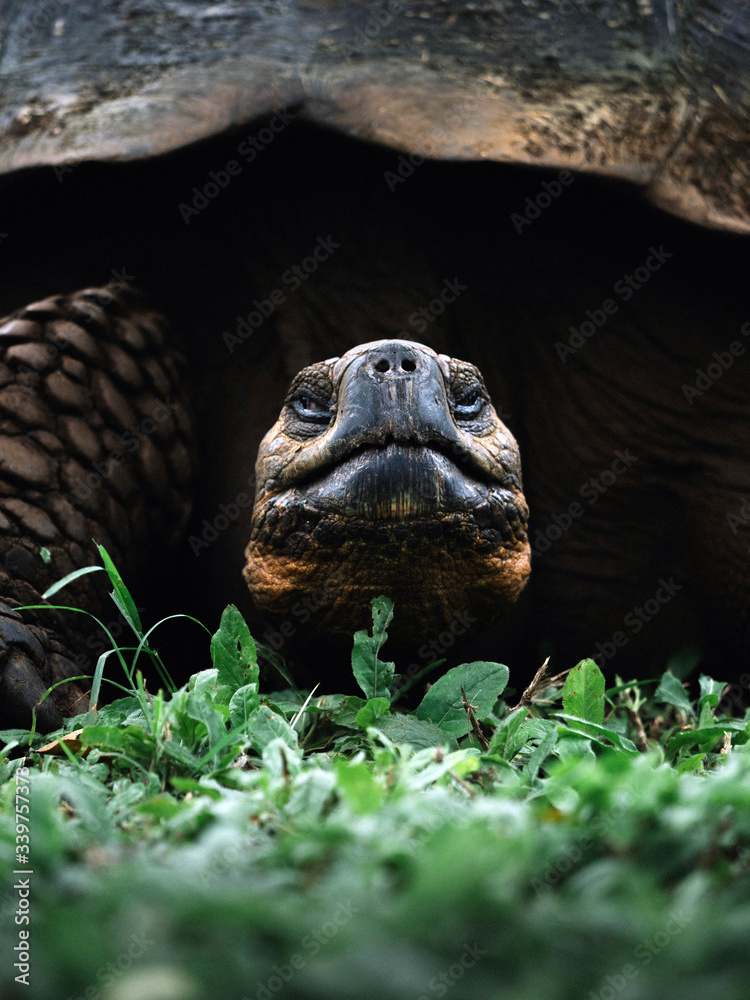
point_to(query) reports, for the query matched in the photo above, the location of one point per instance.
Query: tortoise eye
(468, 405)
(309, 408)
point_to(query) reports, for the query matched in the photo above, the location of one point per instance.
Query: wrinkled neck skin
(388, 473)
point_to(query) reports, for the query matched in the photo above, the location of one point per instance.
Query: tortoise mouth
(390, 496)
(395, 482)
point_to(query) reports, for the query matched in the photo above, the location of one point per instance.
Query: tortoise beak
(395, 392)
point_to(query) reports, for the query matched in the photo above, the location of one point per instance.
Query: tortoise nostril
(391, 361)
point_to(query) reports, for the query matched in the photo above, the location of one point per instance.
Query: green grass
(214, 840)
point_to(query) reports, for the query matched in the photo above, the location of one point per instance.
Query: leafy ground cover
(217, 840)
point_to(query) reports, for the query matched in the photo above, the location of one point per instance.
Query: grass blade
(96, 682)
(69, 579)
(124, 601)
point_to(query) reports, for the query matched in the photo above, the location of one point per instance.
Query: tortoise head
(387, 472)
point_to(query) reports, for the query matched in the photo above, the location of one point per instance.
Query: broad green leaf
(264, 725)
(193, 785)
(463, 768)
(331, 703)
(233, 651)
(312, 797)
(706, 718)
(692, 764)
(418, 734)
(431, 767)
(672, 692)
(160, 806)
(704, 739)
(182, 756)
(346, 715)
(483, 682)
(373, 675)
(242, 704)
(598, 733)
(571, 746)
(710, 690)
(542, 751)
(583, 692)
(104, 737)
(200, 707)
(133, 741)
(525, 732)
(375, 708)
(19, 736)
(206, 683)
(358, 786)
(204, 680)
(503, 741)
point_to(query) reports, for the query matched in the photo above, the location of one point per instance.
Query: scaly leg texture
(95, 444)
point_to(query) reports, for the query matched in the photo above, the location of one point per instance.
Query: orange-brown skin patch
(429, 585)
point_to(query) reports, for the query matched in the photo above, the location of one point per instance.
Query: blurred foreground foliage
(215, 841)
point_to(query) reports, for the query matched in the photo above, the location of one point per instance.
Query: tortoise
(555, 192)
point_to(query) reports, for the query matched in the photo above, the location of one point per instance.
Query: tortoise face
(388, 472)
